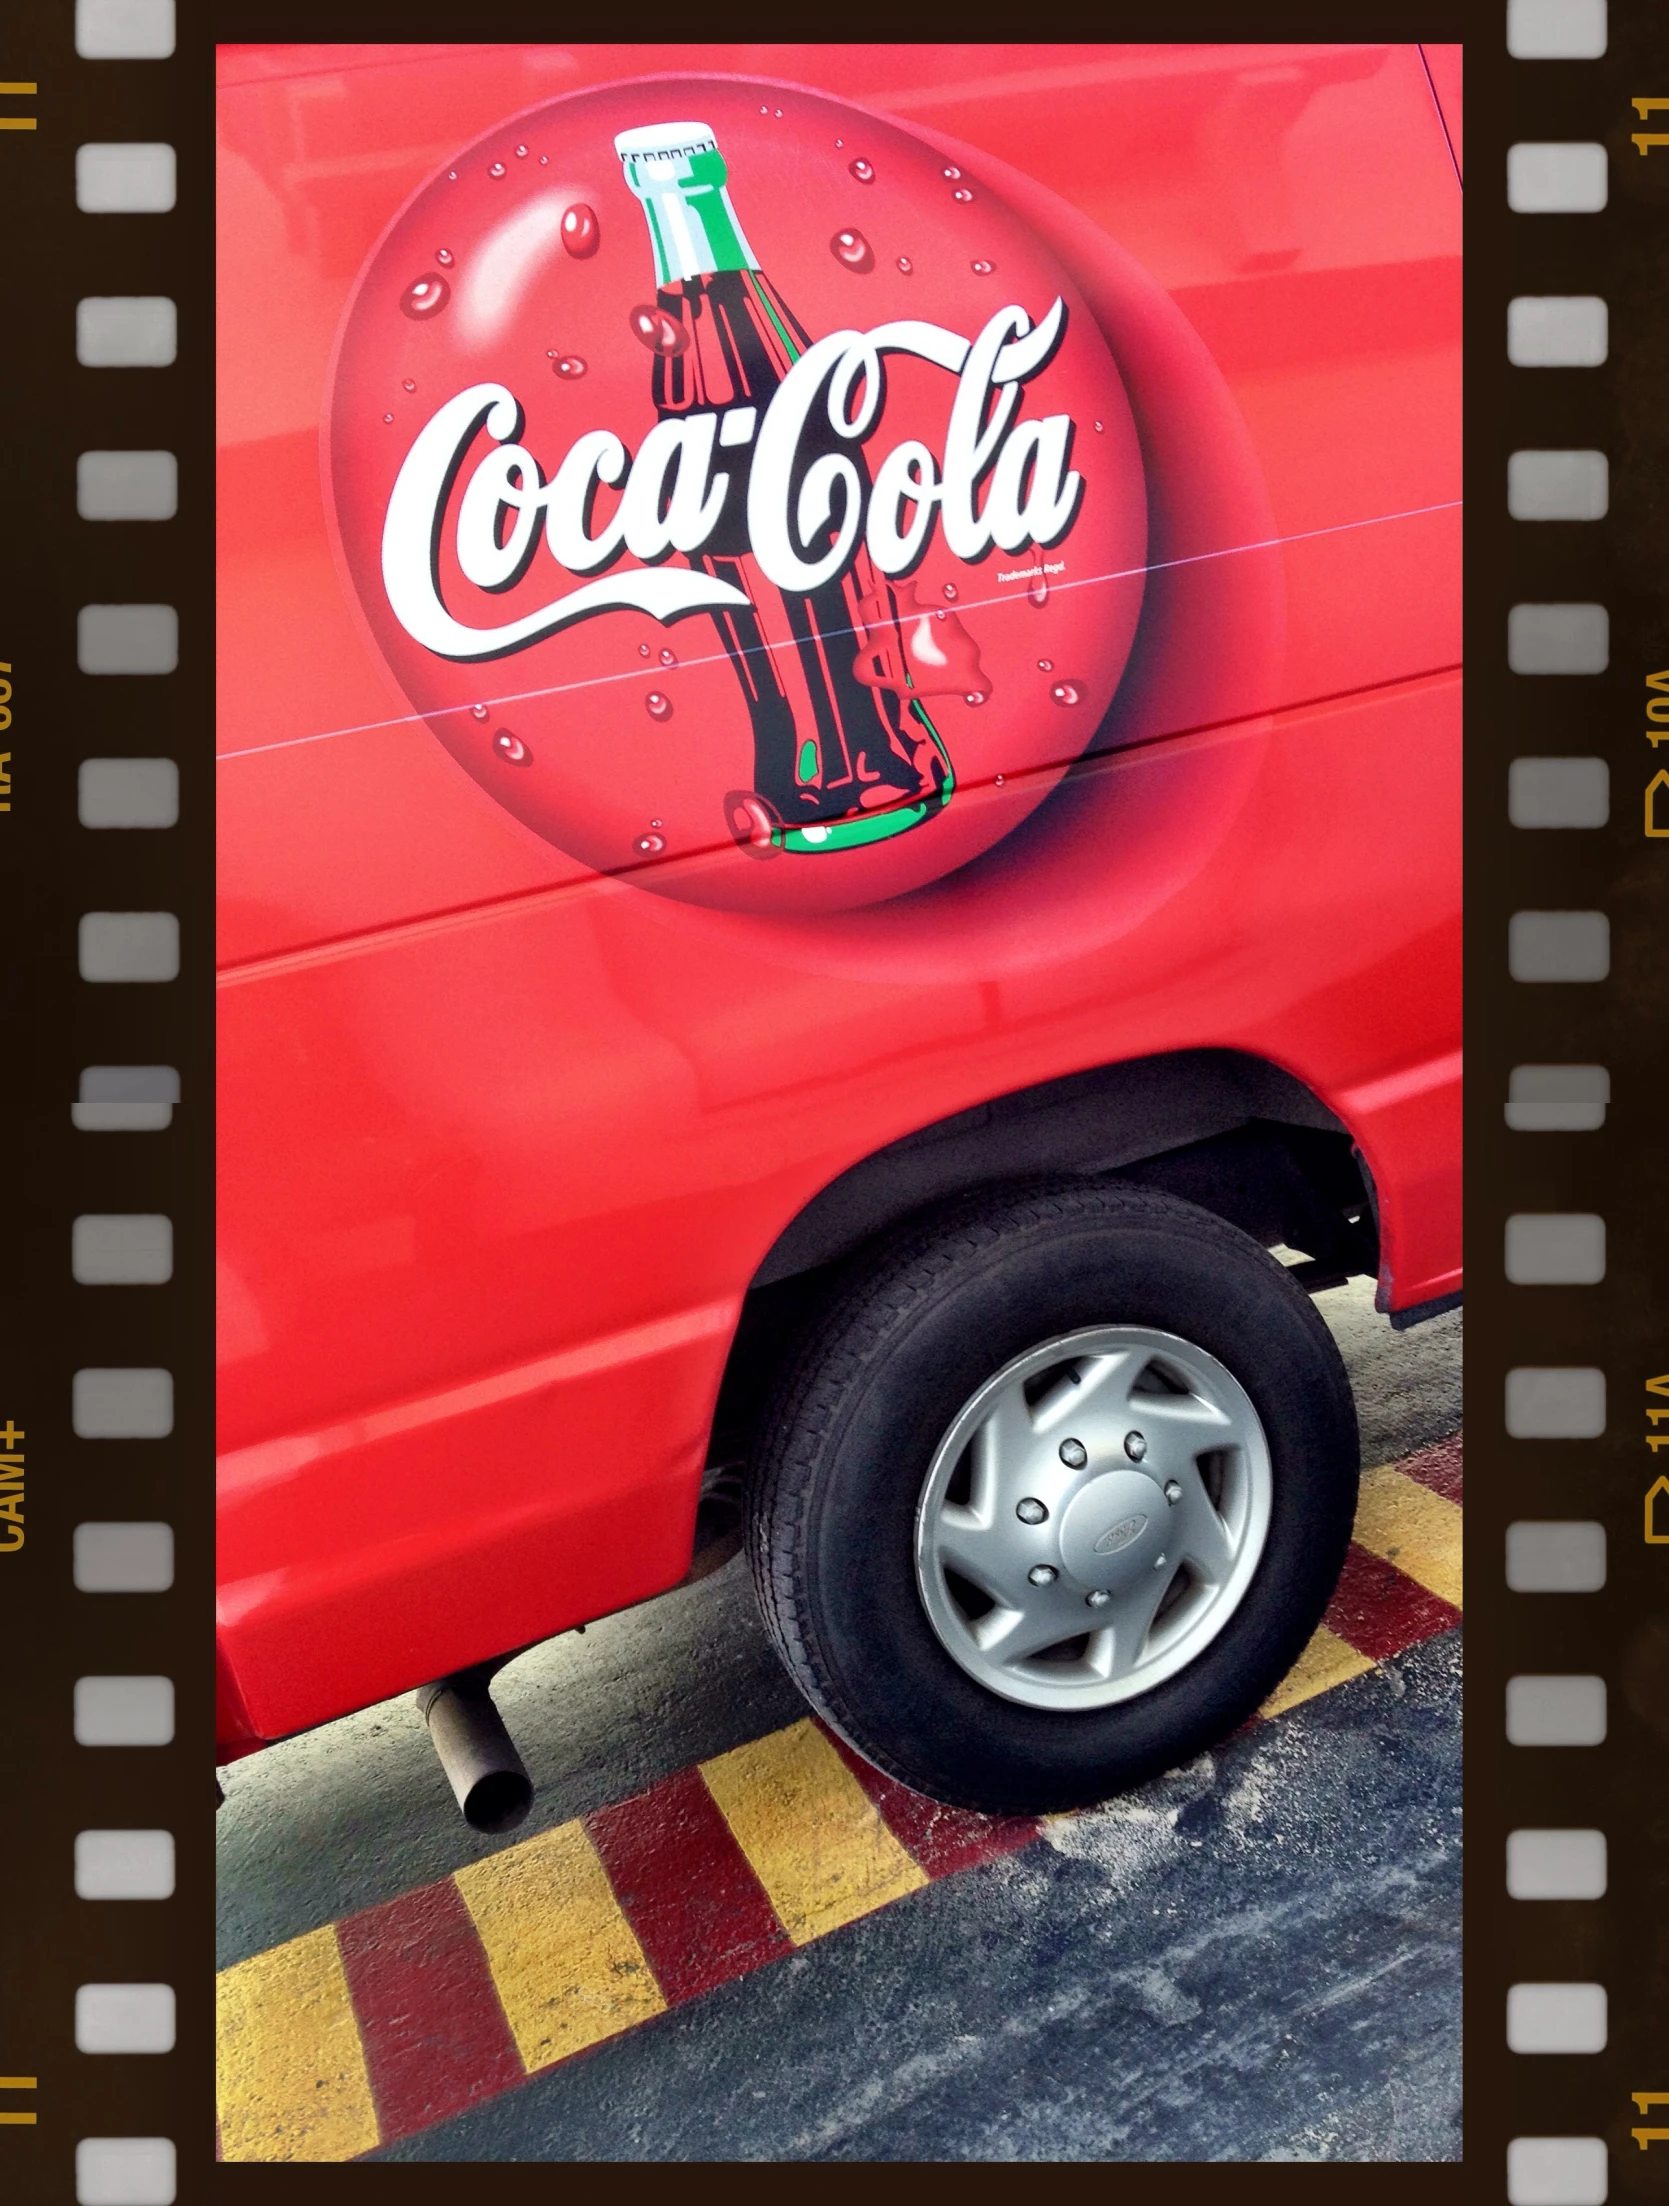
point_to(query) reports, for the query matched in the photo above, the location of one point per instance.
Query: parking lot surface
(721, 1937)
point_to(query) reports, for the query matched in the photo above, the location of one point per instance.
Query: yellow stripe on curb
(814, 1838)
(568, 1970)
(1327, 1661)
(292, 2080)
(1405, 1523)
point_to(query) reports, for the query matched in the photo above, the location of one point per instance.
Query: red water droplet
(950, 589)
(388, 417)
(570, 367)
(521, 153)
(581, 231)
(654, 326)
(643, 651)
(544, 160)
(497, 169)
(408, 385)
(852, 249)
(425, 297)
(478, 712)
(657, 706)
(657, 823)
(941, 614)
(840, 141)
(980, 267)
(1047, 665)
(1067, 693)
(963, 194)
(512, 749)
(1037, 592)
(444, 257)
(669, 658)
(650, 845)
(953, 175)
(905, 266)
(863, 170)
(451, 176)
(1098, 428)
(974, 697)
(999, 781)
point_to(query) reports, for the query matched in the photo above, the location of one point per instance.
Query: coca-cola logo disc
(739, 489)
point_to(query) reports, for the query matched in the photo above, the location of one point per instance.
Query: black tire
(845, 1447)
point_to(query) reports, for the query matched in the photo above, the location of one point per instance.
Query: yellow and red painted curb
(383, 2024)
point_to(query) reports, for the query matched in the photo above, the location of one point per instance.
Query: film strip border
(1570, 1347)
(105, 1492)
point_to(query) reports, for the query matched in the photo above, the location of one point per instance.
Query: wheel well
(1219, 1128)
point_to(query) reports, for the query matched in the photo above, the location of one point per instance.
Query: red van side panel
(503, 1141)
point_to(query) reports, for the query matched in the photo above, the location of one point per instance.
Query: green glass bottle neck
(692, 224)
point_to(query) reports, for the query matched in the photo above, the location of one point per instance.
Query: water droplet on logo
(904, 265)
(941, 614)
(408, 385)
(451, 176)
(953, 175)
(863, 170)
(581, 232)
(1098, 428)
(974, 697)
(512, 749)
(669, 658)
(425, 297)
(657, 706)
(544, 160)
(950, 589)
(650, 845)
(521, 153)
(388, 417)
(840, 141)
(1037, 592)
(852, 249)
(569, 366)
(654, 326)
(643, 651)
(1047, 665)
(478, 712)
(980, 267)
(999, 781)
(962, 193)
(779, 114)
(497, 169)
(1067, 693)
(443, 256)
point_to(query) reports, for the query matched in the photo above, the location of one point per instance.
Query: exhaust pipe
(477, 1753)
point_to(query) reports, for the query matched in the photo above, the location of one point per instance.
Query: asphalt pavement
(1257, 1957)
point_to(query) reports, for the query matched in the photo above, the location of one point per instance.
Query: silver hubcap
(1093, 1517)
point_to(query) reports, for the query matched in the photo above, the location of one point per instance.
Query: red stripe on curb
(942, 1840)
(686, 1887)
(1438, 1467)
(434, 2034)
(1380, 1612)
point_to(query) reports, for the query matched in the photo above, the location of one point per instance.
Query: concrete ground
(1255, 1958)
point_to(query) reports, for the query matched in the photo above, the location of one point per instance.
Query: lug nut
(1173, 1492)
(1074, 1454)
(1040, 1574)
(1135, 1446)
(1098, 1599)
(1030, 1511)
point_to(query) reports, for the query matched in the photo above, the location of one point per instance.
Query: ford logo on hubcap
(1119, 1536)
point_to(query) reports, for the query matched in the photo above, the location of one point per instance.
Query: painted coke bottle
(844, 754)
